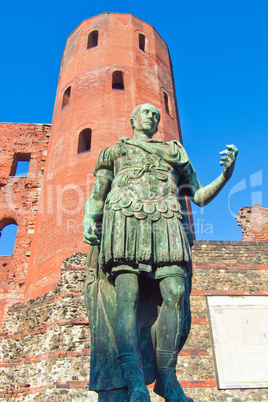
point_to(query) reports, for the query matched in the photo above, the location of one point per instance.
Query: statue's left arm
(94, 205)
(203, 195)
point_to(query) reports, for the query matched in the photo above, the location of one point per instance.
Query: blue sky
(219, 55)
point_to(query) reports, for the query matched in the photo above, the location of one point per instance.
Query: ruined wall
(45, 345)
(254, 223)
(19, 198)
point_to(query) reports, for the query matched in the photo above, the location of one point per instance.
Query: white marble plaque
(239, 327)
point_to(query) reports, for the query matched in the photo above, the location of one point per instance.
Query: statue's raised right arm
(203, 195)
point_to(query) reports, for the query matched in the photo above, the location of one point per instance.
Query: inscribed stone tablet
(239, 326)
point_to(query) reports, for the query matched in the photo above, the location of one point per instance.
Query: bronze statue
(137, 295)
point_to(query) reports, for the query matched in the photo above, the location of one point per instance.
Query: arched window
(66, 97)
(8, 234)
(20, 165)
(166, 100)
(142, 42)
(84, 142)
(118, 80)
(92, 40)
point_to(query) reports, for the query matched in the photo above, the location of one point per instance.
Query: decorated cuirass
(145, 185)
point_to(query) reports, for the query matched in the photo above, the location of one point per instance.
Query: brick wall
(254, 223)
(19, 198)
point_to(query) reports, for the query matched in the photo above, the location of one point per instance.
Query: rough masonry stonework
(45, 344)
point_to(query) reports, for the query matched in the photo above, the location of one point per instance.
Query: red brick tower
(111, 63)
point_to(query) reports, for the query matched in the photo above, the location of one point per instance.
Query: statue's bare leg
(127, 336)
(168, 332)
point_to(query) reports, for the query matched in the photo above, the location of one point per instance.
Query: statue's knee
(180, 291)
(173, 290)
(128, 296)
(127, 290)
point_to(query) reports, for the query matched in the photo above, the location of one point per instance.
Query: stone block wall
(45, 344)
(19, 198)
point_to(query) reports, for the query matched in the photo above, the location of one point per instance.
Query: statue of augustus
(137, 295)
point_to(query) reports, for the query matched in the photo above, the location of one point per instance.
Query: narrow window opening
(142, 42)
(118, 80)
(84, 142)
(166, 102)
(92, 40)
(66, 97)
(8, 235)
(20, 165)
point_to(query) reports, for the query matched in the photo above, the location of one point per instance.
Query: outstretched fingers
(229, 154)
(224, 160)
(228, 160)
(232, 148)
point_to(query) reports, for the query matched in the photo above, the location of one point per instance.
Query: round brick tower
(111, 63)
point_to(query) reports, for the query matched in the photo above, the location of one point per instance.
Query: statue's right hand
(90, 228)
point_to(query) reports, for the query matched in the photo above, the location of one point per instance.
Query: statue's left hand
(90, 230)
(228, 161)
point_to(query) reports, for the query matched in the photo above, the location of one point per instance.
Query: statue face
(147, 119)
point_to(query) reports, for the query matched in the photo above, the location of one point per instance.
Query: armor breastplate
(144, 185)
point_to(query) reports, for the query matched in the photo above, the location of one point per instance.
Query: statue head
(144, 119)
